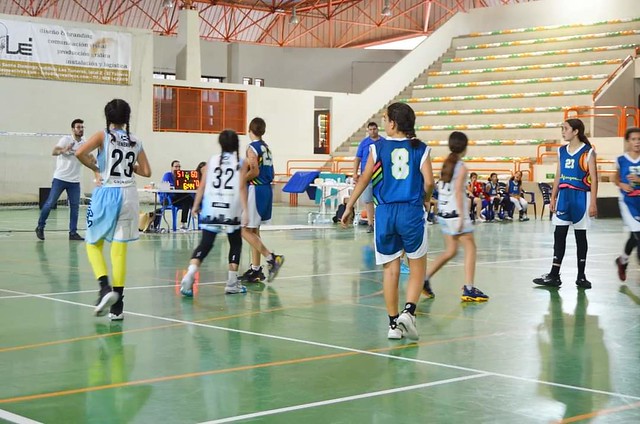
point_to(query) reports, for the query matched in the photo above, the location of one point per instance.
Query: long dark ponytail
(229, 143)
(118, 112)
(405, 118)
(578, 125)
(457, 144)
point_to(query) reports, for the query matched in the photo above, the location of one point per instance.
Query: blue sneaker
(404, 268)
(473, 295)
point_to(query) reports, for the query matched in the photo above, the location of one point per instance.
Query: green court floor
(311, 347)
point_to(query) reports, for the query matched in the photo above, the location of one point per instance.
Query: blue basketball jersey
(396, 171)
(574, 168)
(265, 163)
(491, 189)
(626, 165)
(515, 187)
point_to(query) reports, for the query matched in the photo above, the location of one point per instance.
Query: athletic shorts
(572, 208)
(259, 205)
(113, 215)
(630, 211)
(367, 194)
(400, 227)
(449, 226)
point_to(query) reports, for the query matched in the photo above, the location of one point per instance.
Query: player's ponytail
(457, 145)
(405, 120)
(229, 143)
(578, 125)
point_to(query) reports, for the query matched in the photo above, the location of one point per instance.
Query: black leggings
(206, 243)
(560, 245)
(634, 241)
(183, 202)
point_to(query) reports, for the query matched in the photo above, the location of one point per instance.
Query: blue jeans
(73, 194)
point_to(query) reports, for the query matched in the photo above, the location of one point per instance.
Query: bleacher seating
(509, 89)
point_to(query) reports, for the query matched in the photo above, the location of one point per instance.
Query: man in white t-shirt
(66, 177)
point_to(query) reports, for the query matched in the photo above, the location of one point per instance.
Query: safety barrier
(626, 62)
(621, 114)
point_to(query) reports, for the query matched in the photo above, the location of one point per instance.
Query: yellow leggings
(118, 261)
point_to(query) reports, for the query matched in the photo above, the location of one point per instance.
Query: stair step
(528, 67)
(512, 82)
(542, 53)
(497, 96)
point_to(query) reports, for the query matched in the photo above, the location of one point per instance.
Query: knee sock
(98, 264)
(559, 247)
(636, 238)
(118, 263)
(581, 247)
(631, 243)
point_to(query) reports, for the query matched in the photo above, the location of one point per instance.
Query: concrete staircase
(507, 90)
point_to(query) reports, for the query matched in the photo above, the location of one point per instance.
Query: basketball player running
(113, 213)
(220, 200)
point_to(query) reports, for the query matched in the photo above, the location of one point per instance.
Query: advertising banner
(54, 52)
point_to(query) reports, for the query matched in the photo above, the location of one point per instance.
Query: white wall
(49, 107)
(338, 70)
(40, 106)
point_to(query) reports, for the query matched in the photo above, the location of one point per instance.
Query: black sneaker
(76, 237)
(583, 283)
(116, 312)
(40, 233)
(252, 276)
(106, 298)
(548, 280)
(426, 290)
(274, 266)
(622, 269)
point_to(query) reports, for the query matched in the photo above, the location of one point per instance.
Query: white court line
(343, 399)
(17, 419)
(349, 349)
(173, 285)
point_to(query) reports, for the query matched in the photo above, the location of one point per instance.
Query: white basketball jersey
(117, 157)
(221, 204)
(447, 196)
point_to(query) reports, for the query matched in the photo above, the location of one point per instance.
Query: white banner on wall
(54, 52)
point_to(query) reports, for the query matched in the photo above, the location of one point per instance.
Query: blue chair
(168, 205)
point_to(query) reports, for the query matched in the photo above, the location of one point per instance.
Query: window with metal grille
(200, 110)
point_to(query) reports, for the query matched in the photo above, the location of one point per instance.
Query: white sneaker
(407, 323)
(394, 333)
(105, 303)
(114, 317)
(481, 219)
(186, 285)
(235, 288)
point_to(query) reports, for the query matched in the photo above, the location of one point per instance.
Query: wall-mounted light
(293, 20)
(386, 10)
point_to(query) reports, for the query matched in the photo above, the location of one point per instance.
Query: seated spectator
(475, 192)
(516, 196)
(183, 201)
(493, 197)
